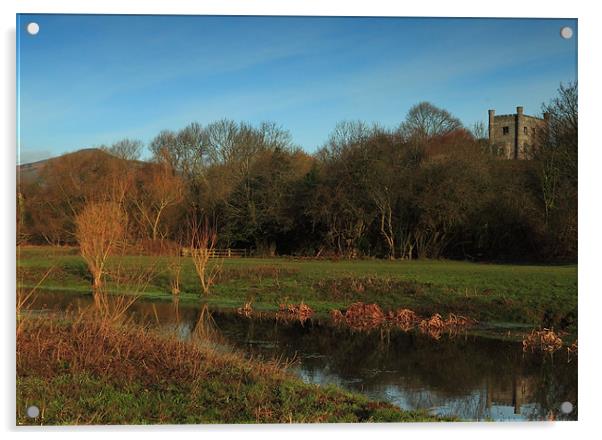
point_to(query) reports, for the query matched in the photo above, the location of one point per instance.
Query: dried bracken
(433, 326)
(360, 316)
(436, 325)
(458, 321)
(337, 317)
(405, 319)
(294, 312)
(544, 341)
(435, 322)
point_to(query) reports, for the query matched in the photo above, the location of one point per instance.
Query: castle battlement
(515, 134)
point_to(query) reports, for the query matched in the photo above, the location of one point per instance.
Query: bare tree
(164, 148)
(159, 188)
(424, 121)
(99, 229)
(557, 151)
(478, 131)
(222, 137)
(128, 149)
(346, 135)
(186, 151)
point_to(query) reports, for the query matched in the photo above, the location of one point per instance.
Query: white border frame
(589, 200)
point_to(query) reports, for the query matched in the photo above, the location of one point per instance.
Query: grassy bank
(502, 294)
(86, 371)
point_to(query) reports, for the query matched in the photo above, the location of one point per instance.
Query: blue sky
(86, 80)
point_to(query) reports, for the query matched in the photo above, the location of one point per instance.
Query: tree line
(429, 188)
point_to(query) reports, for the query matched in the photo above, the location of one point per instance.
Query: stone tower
(515, 135)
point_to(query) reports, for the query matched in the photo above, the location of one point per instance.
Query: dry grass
(123, 352)
(354, 286)
(256, 273)
(24, 301)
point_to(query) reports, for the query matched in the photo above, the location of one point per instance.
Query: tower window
(506, 130)
(526, 130)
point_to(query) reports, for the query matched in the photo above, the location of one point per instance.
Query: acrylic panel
(275, 219)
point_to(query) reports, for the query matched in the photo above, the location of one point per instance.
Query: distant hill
(29, 172)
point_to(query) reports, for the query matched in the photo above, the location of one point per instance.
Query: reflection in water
(469, 377)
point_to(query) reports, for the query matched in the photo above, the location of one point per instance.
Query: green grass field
(491, 293)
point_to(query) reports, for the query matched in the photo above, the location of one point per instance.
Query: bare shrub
(99, 229)
(203, 240)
